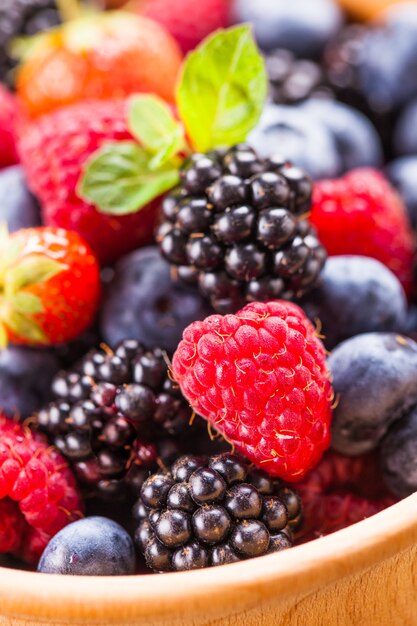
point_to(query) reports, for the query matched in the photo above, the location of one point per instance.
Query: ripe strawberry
(54, 151)
(187, 20)
(362, 214)
(8, 153)
(341, 491)
(38, 495)
(50, 283)
(260, 378)
(107, 56)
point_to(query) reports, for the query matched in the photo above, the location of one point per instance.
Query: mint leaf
(154, 126)
(222, 89)
(119, 179)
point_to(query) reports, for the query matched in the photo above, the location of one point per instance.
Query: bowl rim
(229, 588)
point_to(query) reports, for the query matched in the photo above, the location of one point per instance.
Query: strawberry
(50, 286)
(101, 57)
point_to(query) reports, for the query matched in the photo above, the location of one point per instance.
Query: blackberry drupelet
(237, 227)
(293, 80)
(115, 416)
(22, 18)
(212, 511)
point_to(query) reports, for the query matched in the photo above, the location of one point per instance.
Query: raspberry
(187, 20)
(260, 378)
(8, 153)
(54, 151)
(38, 495)
(362, 214)
(341, 491)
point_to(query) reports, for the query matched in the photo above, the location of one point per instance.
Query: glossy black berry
(117, 414)
(210, 511)
(245, 237)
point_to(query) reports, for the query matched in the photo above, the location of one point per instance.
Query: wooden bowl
(365, 574)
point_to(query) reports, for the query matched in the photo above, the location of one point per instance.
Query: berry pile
(182, 241)
(237, 226)
(115, 416)
(205, 512)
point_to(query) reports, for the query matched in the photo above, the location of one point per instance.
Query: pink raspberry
(260, 378)
(38, 494)
(341, 491)
(8, 152)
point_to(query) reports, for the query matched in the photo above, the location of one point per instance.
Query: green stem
(69, 9)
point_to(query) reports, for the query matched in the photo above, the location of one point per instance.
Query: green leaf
(119, 178)
(4, 340)
(154, 126)
(27, 303)
(222, 89)
(25, 327)
(31, 270)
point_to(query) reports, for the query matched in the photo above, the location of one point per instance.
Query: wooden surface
(366, 574)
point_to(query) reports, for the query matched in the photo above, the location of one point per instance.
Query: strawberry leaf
(152, 123)
(120, 179)
(222, 89)
(25, 327)
(31, 270)
(26, 303)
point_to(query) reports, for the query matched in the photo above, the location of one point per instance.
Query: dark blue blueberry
(403, 175)
(301, 26)
(399, 456)
(375, 381)
(94, 546)
(18, 208)
(387, 74)
(405, 132)
(356, 295)
(143, 302)
(357, 141)
(301, 138)
(25, 379)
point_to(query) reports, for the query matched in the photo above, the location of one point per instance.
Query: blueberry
(399, 456)
(301, 137)
(356, 138)
(405, 131)
(144, 302)
(387, 75)
(375, 381)
(18, 208)
(94, 546)
(25, 379)
(301, 26)
(403, 175)
(356, 295)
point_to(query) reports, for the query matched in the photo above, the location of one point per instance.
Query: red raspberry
(54, 151)
(189, 21)
(341, 491)
(362, 214)
(38, 495)
(260, 378)
(8, 153)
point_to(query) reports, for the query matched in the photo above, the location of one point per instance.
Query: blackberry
(293, 80)
(115, 416)
(212, 511)
(237, 227)
(22, 18)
